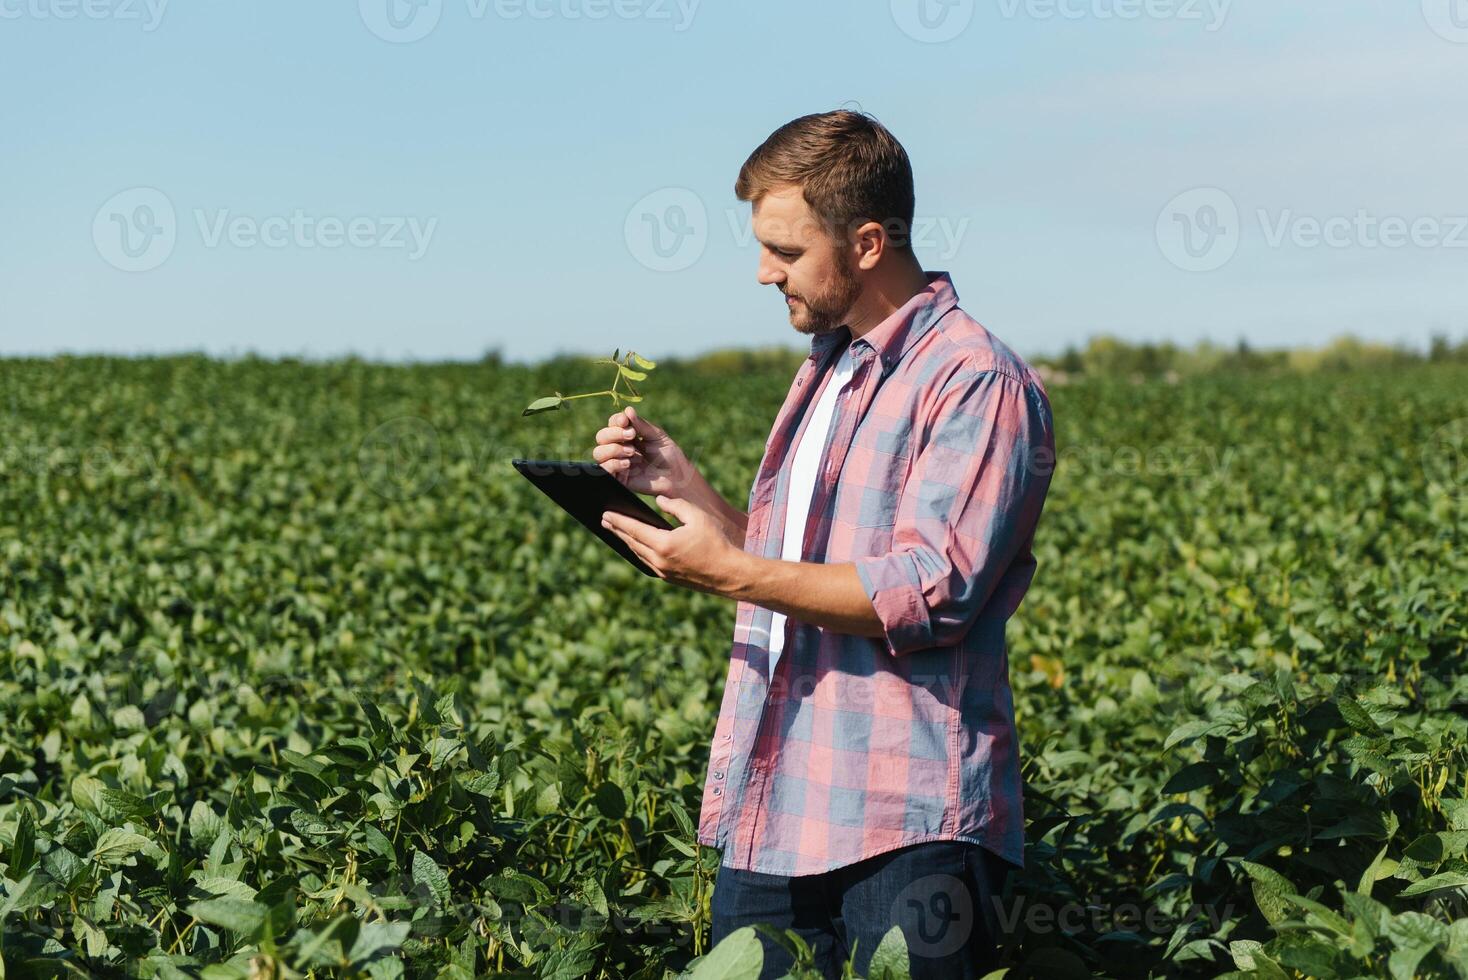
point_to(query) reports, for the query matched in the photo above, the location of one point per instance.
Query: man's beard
(829, 310)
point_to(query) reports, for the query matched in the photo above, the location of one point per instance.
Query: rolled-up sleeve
(968, 508)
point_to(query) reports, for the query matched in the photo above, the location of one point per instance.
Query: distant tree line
(1106, 356)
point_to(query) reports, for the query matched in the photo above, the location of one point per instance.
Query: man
(864, 770)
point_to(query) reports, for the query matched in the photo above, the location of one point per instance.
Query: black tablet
(586, 491)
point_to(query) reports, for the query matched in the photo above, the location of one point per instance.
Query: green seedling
(626, 375)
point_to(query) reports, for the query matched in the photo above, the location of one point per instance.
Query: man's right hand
(644, 457)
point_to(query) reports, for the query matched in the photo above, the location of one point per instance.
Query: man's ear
(869, 244)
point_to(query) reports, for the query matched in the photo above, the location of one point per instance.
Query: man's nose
(768, 274)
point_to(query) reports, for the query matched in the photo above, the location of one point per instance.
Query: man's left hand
(696, 554)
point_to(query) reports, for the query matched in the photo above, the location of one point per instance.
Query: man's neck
(885, 296)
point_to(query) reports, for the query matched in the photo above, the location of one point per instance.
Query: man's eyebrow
(780, 246)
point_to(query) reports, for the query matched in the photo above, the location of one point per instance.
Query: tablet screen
(585, 490)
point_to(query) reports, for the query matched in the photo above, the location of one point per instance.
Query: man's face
(797, 255)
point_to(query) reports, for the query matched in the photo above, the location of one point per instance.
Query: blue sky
(317, 179)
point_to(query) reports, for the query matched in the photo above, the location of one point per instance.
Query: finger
(645, 534)
(678, 507)
(611, 435)
(642, 426)
(611, 451)
(649, 558)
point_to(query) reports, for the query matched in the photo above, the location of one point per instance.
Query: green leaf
(441, 751)
(611, 801)
(1188, 731)
(31, 892)
(1271, 889)
(1305, 640)
(377, 937)
(889, 960)
(480, 783)
(22, 852)
(546, 404)
(643, 362)
(327, 945)
(1414, 935)
(238, 916)
(219, 886)
(1191, 777)
(1357, 717)
(117, 845)
(428, 874)
(204, 824)
(515, 886)
(1249, 954)
(1438, 882)
(632, 375)
(739, 956)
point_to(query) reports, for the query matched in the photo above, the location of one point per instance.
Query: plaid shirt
(936, 468)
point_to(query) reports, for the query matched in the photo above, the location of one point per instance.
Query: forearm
(829, 596)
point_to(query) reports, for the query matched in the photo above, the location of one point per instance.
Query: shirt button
(719, 775)
(718, 791)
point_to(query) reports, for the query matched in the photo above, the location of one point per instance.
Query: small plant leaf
(546, 404)
(738, 956)
(643, 362)
(889, 961)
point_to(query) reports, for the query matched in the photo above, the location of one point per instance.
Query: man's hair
(850, 169)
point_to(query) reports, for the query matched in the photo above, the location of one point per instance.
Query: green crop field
(298, 678)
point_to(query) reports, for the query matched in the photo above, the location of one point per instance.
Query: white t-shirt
(809, 456)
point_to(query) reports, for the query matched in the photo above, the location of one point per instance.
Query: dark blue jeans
(944, 894)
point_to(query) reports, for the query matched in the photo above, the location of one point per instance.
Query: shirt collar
(904, 327)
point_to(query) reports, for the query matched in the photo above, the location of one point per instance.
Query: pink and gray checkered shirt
(935, 472)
